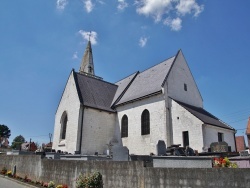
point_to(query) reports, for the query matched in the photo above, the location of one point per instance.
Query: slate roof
(122, 86)
(146, 83)
(204, 116)
(94, 92)
(87, 61)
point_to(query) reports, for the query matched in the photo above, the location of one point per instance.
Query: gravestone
(219, 147)
(120, 153)
(161, 148)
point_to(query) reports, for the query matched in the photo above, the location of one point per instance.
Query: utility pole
(30, 145)
(50, 136)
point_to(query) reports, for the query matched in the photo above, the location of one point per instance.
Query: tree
(17, 142)
(4, 133)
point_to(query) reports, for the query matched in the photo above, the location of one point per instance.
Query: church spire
(87, 64)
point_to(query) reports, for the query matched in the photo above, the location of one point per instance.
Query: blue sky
(41, 41)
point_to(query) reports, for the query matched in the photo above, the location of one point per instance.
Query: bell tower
(87, 64)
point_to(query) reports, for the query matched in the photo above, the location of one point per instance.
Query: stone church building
(160, 103)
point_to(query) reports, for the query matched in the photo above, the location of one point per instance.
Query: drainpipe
(235, 146)
(80, 145)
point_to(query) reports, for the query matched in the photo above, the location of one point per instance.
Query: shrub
(51, 184)
(62, 186)
(93, 180)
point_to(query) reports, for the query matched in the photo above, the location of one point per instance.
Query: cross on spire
(89, 34)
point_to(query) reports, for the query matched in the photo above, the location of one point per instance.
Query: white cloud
(101, 2)
(174, 24)
(154, 8)
(188, 6)
(162, 10)
(122, 4)
(75, 55)
(143, 41)
(88, 5)
(86, 35)
(61, 4)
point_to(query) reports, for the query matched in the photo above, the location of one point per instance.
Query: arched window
(145, 123)
(64, 121)
(124, 131)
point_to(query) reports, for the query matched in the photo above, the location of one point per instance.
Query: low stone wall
(180, 162)
(242, 162)
(126, 174)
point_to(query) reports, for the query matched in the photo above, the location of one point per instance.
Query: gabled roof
(146, 83)
(94, 92)
(123, 85)
(240, 143)
(204, 116)
(248, 127)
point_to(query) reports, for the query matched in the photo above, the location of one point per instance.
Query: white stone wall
(179, 75)
(71, 104)
(183, 120)
(211, 135)
(144, 144)
(98, 130)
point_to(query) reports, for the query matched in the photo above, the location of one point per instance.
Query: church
(160, 103)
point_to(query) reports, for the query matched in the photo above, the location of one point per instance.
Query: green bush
(51, 184)
(93, 180)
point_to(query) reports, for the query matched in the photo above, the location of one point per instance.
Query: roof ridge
(196, 107)
(208, 113)
(127, 76)
(95, 78)
(125, 89)
(157, 64)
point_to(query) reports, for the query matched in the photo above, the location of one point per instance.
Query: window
(220, 137)
(185, 87)
(185, 138)
(124, 131)
(64, 121)
(145, 123)
(90, 69)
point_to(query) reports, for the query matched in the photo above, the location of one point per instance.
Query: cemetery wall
(126, 174)
(181, 161)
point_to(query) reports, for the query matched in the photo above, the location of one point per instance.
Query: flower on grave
(9, 173)
(224, 162)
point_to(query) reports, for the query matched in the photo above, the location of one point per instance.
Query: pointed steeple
(87, 64)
